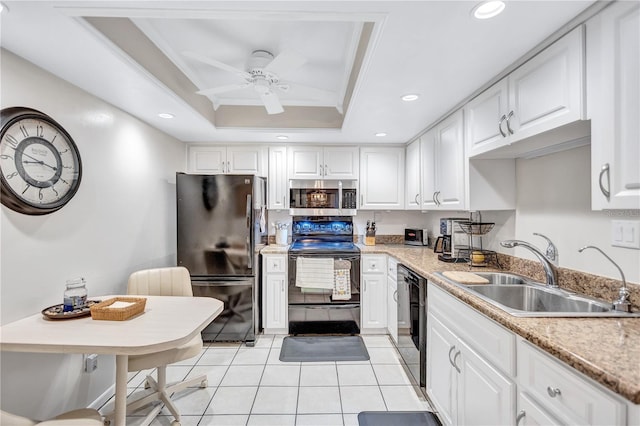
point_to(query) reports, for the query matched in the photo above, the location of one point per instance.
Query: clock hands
(36, 161)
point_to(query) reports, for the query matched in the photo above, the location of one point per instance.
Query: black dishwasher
(412, 304)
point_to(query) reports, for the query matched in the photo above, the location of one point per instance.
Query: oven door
(324, 311)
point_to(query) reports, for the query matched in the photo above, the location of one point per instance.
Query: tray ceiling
(358, 58)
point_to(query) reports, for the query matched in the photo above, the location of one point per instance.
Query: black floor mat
(323, 348)
(397, 418)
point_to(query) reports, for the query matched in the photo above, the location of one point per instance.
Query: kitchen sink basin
(534, 299)
(522, 297)
(502, 278)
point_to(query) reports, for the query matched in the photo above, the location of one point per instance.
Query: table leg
(122, 364)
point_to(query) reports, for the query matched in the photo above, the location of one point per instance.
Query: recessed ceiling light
(410, 97)
(282, 137)
(165, 115)
(488, 9)
(381, 134)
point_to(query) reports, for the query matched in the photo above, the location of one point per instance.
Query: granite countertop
(605, 349)
(275, 249)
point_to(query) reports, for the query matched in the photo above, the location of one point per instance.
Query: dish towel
(342, 286)
(312, 272)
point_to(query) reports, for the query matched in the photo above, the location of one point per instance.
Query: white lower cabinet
(274, 293)
(473, 377)
(465, 389)
(373, 293)
(564, 394)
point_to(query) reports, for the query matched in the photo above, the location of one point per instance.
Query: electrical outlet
(625, 233)
(90, 363)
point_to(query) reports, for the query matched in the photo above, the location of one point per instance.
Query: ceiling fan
(262, 74)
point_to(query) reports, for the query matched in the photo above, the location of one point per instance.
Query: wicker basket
(103, 311)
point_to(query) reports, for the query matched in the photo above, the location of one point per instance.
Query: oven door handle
(333, 256)
(349, 306)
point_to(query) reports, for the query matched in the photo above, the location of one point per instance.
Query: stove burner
(314, 246)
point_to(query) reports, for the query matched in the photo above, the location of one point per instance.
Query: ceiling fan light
(165, 115)
(488, 9)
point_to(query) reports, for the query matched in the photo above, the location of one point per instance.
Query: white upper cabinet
(443, 165)
(413, 190)
(312, 162)
(382, 178)
(543, 95)
(613, 61)
(277, 182)
(237, 160)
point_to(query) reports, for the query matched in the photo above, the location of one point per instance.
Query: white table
(166, 323)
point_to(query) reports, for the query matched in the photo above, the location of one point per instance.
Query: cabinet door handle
(504, 117)
(416, 199)
(509, 123)
(606, 192)
(222, 166)
(437, 196)
(361, 200)
(228, 167)
(433, 197)
(520, 416)
(321, 170)
(451, 349)
(455, 364)
(326, 170)
(553, 392)
(364, 286)
(282, 286)
(395, 296)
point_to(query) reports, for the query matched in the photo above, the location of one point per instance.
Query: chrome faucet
(552, 250)
(549, 268)
(623, 303)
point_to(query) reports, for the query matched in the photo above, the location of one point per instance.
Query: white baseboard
(103, 398)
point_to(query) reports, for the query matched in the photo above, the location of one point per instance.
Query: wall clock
(40, 167)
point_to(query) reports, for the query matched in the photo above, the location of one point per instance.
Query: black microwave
(323, 197)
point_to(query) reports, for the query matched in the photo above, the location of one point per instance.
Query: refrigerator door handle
(249, 242)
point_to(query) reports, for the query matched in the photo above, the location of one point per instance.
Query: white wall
(121, 219)
(554, 199)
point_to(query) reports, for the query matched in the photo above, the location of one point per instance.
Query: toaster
(416, 237)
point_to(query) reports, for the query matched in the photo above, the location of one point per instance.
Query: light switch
(625, 233)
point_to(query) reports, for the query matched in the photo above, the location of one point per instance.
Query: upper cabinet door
(340, 163)
(277, 181)
(382, 178)
(613, 61)
(413, 192)
(486, 116)
(305, 162)
(450, 170)
(429, 162)
(207, 159)
(548, 91)
(246, 160)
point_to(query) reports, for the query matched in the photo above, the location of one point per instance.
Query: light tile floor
(251, 386)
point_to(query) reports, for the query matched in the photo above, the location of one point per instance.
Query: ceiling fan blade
(271, 103)
(286, 61)
(223, 89)
(210, 61)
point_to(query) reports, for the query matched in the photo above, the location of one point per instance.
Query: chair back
(14, 420)
(173, 281)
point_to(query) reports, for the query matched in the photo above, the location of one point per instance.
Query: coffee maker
(451, 240)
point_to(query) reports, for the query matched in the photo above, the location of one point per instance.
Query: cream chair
(82, 417)
(174, 281)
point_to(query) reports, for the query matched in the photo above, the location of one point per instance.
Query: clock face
(39, 162)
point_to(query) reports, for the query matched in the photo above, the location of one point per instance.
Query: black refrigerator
(221, 228)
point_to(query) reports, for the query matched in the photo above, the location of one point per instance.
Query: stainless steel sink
(503, 278)
(534, 299)
(522, 297)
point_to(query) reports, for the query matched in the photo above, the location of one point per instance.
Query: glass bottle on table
(75, 295)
